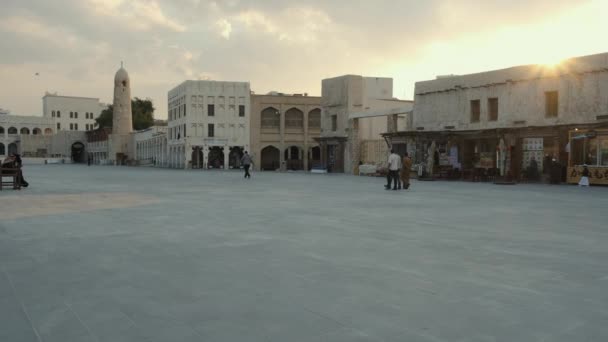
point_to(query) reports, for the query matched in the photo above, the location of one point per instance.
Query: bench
(12, 173)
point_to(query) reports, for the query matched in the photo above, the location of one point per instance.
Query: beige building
(355, 111)
(283, 128)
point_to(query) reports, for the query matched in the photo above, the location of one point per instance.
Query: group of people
(13, 161)
(398, 171)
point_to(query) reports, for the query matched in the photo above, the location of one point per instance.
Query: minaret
(123, 120)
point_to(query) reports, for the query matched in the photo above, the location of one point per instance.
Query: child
(585, 178)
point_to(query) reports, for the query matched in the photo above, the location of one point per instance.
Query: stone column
(356, 147)
(305, 157)
(226, 156)
(282, 162)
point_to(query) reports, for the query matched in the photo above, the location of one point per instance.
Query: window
(551, 104)
(493, 109)
(58, 114)
(210, 130)
(475, 110)
(271, 118)
(71, 127)
(75, 115)
(53, 114)
(71, 115)
(184, 128)
(58, 126)
(294, 118)
(334, 123)
(210, 110)
(241, 110)
(184, 110)
(314, 119)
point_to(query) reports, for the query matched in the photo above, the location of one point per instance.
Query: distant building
(71, 113)
(208, 124)
(530, 108)
(14, 127)
(356, 110)
(283, 128)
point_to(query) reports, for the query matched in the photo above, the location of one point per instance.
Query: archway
(270, 158)
(1, 130)
(78, 152)
(12, 130)
(314, 157)
(48, 131)
(197, 157)
(25, 130)
(12, 148)
(2, 149)
(216, 158)
(234, 158)
(292, 158)
(36, 131)
(294, 119)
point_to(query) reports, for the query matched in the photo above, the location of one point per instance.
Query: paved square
(138, 254)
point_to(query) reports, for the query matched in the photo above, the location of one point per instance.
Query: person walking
(394, 162)
(246, 161)
(406, 167)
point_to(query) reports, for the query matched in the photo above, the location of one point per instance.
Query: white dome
(121, 75)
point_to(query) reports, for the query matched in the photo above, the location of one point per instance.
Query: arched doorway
(216, 158)
(292, 158)
(197, 157)
(314, 157)
(270, 158)
(78, 152)
(25, 131)
(2, 149)
(12, 148)
(234, 158)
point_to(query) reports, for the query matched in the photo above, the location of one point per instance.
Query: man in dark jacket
(246, 161)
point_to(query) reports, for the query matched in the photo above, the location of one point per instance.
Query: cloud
(285, 45)
(142, 15)
(224, 27)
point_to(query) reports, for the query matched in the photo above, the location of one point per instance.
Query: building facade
(71, 113)
(283, 129)
(345, 124)
(528, 109)
(208, 124)
(14, 127)
(151, 146)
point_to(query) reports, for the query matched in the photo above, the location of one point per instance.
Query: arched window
(25, 130)
(294, 118)
(12, 130)
(36, 131)
(48, 131)
(314, 119)
(1, 130)
(271, 118)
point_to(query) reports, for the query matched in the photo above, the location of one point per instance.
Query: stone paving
(138, 254)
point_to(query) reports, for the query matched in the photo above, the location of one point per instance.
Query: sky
(76, 46)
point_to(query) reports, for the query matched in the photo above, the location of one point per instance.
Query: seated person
(13, 161)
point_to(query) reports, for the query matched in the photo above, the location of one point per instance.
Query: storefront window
(604, 150)
(591, 156)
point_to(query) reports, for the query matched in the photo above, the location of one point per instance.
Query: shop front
(588, 148)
